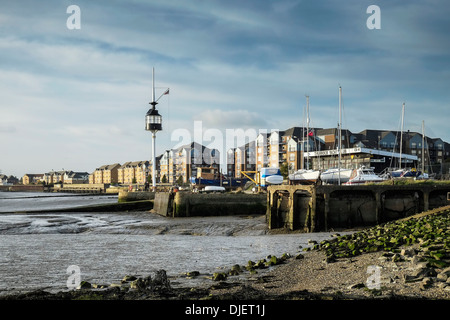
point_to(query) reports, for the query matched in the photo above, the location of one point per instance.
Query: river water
(36, 249)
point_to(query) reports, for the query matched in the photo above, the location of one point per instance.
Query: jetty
(315, 208)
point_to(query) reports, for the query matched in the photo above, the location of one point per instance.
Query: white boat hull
(275, 179)
(333, 175)
(304, 176)
(364, 175)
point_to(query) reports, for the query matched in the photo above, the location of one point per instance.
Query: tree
(284, 169)
(164, 179)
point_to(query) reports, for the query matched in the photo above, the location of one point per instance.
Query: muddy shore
(408, 259)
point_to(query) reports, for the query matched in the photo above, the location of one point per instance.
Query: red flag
(311, 133)
(167, 92)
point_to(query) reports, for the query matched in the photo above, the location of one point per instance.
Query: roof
(109, 166)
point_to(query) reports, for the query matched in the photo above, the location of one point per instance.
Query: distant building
(32, 178)
(8, 181)
(134, 172)
(261, 151)
(319, 148)
(71, 177)
(245, 159)
(105, 174)
(181, 163)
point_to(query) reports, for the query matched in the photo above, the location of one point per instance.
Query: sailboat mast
(401, 134)
(307, 132)
(339, 135)
(423, 146)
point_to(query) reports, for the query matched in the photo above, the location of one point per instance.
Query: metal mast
(401, 135)
(307, 132)
(339, 135)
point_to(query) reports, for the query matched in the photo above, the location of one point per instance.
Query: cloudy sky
(77, 98)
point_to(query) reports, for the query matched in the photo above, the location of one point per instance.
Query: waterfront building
(167, 170)
(71, 177)
(132, 172)
(32, 178)
(181, 163)
(244, 159)
(107, 173)
(8, 181)
(261, 151)
(231, 160)
(376, 148)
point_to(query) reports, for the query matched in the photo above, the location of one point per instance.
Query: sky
(76, 98)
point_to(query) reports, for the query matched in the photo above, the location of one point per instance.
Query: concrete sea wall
(187, 204)
(316, 208)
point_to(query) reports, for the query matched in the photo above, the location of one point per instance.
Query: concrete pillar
(272, 210)
(426, 200)
(292, 206)
(378, 206)
(326, 197)
(313, 209)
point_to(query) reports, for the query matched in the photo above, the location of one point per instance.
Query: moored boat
(334, 175)
(304, 176)
(363, 175)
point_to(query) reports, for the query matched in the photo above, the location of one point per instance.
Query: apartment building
(244, 159)
(107, 173)
(134, 172)
(231, 160)
(71, 177)
(179, 164)
(167, 170)
(261, 151)
(377, 148)
(32, 178)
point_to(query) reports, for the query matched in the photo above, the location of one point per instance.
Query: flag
(167, 92)
(311, 133)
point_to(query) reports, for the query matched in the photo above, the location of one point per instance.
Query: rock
(310, 241)
(192, 274)
(408, 253)
(128, 279)
(426, 283)
(141, 283)
(424, 272)
(160, 280)
(356, 286)
(446, 271)
(408, 278)
(84, 285)
(273, 261)
(330, 258)
(219, 276)
(299, 256)
(416, 260)
(396, 257)
(442, 277)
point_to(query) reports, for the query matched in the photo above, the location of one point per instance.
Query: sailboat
(334, 175)
(363, 175)
(337, 175)
(403, 172)
(305, 176)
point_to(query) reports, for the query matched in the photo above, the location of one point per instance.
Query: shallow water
(33, 201)
(37, 249)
